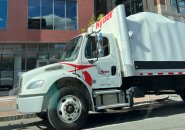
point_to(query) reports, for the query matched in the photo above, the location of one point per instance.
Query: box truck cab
(117, 59)
(83, 70)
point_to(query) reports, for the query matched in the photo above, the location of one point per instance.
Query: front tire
(68, 109)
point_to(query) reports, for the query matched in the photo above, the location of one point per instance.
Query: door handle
(113, 70)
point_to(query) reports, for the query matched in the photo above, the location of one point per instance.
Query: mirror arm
(87, 35)
(93, 61)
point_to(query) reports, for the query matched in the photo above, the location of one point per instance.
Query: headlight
(35, 84)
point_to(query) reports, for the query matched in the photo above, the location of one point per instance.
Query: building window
(34, 14)
(47, 14)
(59, 15)
(100, 7)
(3, 14)
(179, 6)
(133, 6)
(52, 14)
(19, 58)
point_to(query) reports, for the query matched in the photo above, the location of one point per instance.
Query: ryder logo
(104, 20)
(103, 72)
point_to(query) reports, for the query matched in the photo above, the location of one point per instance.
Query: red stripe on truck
(171, 73)
(150, 74)
(78, 67)
(161, 73)
(88, 78)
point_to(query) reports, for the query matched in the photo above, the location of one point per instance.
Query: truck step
(104, 92)
(113, 106)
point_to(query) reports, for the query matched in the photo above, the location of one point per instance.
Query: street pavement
(8, 106)
(166, 114)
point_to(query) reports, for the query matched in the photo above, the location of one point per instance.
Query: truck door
(105, 70)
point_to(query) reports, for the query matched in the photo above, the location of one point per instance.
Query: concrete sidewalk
(8, 106)
(8, 110)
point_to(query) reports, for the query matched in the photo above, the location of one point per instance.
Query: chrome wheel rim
(69, 109)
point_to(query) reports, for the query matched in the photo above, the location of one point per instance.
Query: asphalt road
(166, 115)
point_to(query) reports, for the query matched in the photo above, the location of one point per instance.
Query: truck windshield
(71, 50)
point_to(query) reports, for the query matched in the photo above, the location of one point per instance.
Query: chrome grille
(20, 84)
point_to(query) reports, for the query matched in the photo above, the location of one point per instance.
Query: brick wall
(17, 24)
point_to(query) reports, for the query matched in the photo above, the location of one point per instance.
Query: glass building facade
(179, 6)
(131, 6)
(52, 14)
(19, 58)
(33, 33)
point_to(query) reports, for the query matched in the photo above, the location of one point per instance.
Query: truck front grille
(20, 84)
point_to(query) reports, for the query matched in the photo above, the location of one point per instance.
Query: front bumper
(31, 104)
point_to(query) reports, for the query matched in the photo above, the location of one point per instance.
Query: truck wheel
(68, 109)
(182, 95)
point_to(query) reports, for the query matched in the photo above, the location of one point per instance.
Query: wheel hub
(69, 108)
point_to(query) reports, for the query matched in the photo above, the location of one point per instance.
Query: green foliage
(100, 16)
(92, 20)
(83, 30)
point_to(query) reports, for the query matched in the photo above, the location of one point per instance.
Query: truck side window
(91, 48)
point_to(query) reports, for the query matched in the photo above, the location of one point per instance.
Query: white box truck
(117, 59)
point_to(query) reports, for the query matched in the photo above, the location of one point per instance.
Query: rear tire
(182, 95)
(68, 109)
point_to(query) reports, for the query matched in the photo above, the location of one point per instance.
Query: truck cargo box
(157, 42)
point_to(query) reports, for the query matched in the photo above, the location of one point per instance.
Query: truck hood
(61, 66)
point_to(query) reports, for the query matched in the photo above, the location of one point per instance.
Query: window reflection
(6, 70)
(179, 6)
(31, 61)
(59, 12)
(47, 14)
(19, 58)
(52, 14)
(133, 6)
(71, 18)
(34, 14)
(91, 48)
(3, 14)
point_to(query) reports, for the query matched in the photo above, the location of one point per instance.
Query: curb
(161, 99)
(17, 117)
(3, 99)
